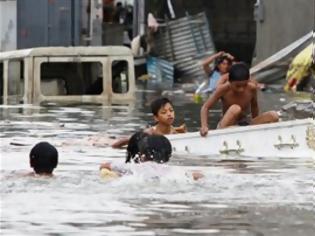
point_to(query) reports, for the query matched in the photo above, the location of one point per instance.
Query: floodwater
(236, 197)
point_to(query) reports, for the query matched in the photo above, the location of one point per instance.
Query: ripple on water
(249, 196)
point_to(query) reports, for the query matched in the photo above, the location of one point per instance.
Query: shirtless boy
(238, 95)
(164, 116)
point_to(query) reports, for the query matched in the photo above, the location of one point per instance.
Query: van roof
(67, 51)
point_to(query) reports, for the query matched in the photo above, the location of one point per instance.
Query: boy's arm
(124, 141)
(106, 165)
(207, 105)
(121, 142)
(254, 105)
(196, 175)
(107, 172)
(207, 61)
(181, 129)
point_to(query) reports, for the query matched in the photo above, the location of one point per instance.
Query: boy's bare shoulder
(253, 85)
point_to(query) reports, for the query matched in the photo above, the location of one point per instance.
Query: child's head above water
(143, 147)
(163, 111)
(133, 148)
(43, 158)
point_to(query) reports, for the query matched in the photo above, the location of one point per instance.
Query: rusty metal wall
(185, 42)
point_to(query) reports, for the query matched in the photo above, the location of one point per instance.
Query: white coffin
(283, 139)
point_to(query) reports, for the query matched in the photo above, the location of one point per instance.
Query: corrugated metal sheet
(185, 42)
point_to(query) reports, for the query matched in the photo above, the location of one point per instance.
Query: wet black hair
(133, 148)
(43, 158)
(157, 104)
(147, 147)
(239, 72)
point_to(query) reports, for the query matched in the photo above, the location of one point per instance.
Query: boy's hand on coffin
(204, 131)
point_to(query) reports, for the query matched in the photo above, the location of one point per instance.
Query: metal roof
(185, 42)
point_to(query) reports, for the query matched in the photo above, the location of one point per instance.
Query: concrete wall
(282, 22)
(8, 26)
(233, 26)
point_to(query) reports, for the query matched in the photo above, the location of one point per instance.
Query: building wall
(233, 26)
(85, 22)
(231, 22)
(7, 25)
(281, 23)
(48, 23)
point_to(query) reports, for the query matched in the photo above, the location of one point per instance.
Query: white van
(67, 74)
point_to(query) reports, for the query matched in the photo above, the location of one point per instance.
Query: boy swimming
(164, 116)
(145, 148)
(43, 158)
(238, 94)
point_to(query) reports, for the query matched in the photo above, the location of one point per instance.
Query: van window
(16, 78)
(120, 78)
(71, 78)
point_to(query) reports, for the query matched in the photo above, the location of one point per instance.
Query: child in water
(223, 62)
(43, 159)
(144, 148)
(164, 116)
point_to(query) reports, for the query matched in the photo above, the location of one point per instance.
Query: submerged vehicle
(283, 139)
(67, 74)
